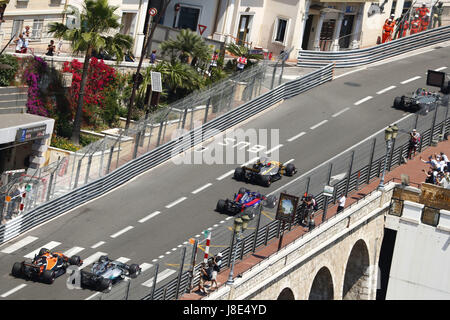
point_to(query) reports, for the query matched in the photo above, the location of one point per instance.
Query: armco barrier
(359, 57)
(159, 155)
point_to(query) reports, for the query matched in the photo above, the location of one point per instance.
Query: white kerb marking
(10, 292)
(340, 112)
(151, 215)
(123, 259)
(73, 251)
(410, 79)
(319, 124)
(386, 89)
(98, 244)
(145, 266)
(289, 161)
(115, 235)
(296, 136)
(19, 244)
(160, 277)
(50, 245)
(363, 100)
(170, 205)
(274, 148)
(202, 188)
(92, 258)
(91, 296)
(440, 69)
(225, 175)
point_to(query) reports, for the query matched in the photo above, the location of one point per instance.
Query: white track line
(160, 277)
(289, 161)
(274, 148)
(145, 266)
(296, 136)
(49, 246)
(93, 295)
(225, 175)
(202, 188)
(440, 69)
(98, 244)
(151, 215)
(73, 251)
(123, 259)
(410, 79)
(115, 235)
(19, 244)
(92, 258)
(340, 112)
(386, 89)
(170, 205)
(10, 292)
(363, 100)
(319, 124)
(250, 161)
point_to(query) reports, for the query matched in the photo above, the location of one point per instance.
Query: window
(36, 31)
(245, 24)
(16, 28)
(280, 34)
(188, 18)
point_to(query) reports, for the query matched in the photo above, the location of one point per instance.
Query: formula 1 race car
(264, 172)
(246, 202)
(421, 100)
(105, 273)
(45, 266)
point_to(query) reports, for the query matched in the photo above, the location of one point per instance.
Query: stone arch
(356, 276)
(322, 287)
(286, 294)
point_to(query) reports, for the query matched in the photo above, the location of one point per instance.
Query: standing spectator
(441, 163)
(415, 25)
(341, 203)
(437, 14)
(153, 57)
(424, 22)
(60, 44)
(414, 139)
(19, 44)
(241, 63)
(50, 48)
(432, 162)
(26, 39)
(203, 278)
(431, 176)
(217, 261)
(444, 158)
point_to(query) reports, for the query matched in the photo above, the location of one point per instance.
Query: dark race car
(105, 273)
(45, 266)
(264, 172)
(246, 202)
(421, 100)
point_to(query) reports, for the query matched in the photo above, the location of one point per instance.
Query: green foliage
(86, 139)
(63, 143)
(7, 75)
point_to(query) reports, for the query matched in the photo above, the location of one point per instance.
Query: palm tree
(95, 22)
(240, 50)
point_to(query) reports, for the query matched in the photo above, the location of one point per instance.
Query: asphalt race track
(150, 219)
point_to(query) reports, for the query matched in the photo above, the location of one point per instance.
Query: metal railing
(353, 58)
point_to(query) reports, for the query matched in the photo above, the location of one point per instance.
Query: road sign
(328, 191)
(152, 12)
(156, 81)
(201, 28)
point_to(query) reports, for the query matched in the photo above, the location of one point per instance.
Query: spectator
(444, 158)
(341, 203)
(60, 44)
(241, 63)
(432, 162)
(440, 162)
(26, 38)
(19, 44)
(414, 140)
(217, 261)
(444, 180)
(431, 176)
(153, 57)
(203, 278)
(50, 48)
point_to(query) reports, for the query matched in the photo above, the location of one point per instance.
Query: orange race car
(45, 266)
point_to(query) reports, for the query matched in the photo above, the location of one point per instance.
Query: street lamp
(390, 134)
(240, 224)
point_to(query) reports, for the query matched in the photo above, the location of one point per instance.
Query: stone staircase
(13, 100)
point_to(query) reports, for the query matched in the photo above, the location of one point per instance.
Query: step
(13, 96)
(12, 90)
(12, 103)
(13, 110)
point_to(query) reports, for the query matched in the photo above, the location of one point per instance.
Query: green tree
(240, 50)
(95, 22)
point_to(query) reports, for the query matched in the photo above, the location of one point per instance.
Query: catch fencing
(114, 160)
(346, 172)
(359, 57)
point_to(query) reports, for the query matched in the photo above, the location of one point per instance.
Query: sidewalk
(413, 168)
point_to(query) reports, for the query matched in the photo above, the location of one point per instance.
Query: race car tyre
(104, 285)
(265, 180)
(220, 206)
(239, 174)
(135, 270)
(103, 259)
(17, 270)
(270, 202)
(398, 102)
(75, 260)
(43, 251)
(48, 276)
(242, 190)
(250, 212)
(290, 169)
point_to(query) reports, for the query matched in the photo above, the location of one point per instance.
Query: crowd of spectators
(438, 172)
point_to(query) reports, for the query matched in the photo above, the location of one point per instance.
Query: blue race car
(246, 202)
(105, 273)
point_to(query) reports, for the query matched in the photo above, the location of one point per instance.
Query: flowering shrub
(33, 75)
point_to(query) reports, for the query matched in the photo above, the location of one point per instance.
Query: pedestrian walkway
(413, 168)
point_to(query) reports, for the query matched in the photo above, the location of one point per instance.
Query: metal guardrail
(351, 182)
(353, 58)
(158, 155)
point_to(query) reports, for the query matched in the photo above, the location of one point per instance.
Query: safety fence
(346, 172)
(84, 179)
(359, 57)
